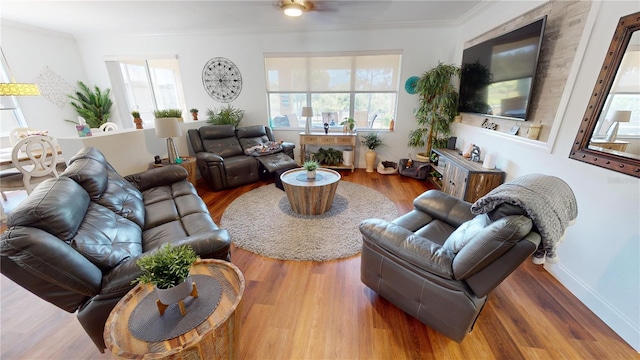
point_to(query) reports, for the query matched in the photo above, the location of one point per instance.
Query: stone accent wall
(565, 23)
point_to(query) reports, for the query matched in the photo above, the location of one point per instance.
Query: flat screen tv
(497, 75)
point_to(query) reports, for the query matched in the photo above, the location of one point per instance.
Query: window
(625, 93)
(146, 85)
(336, 86)
(10, 113)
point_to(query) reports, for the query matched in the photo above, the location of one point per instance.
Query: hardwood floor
(321, 310)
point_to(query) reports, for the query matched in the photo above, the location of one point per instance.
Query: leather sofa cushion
(56, 206)
(106, 238)
(220, 140)
(486, 245)
(466, 232)
(90, 174)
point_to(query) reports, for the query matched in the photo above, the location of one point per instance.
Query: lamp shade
(621, 116)
(167, 127)
(18, 89)
(307, 111)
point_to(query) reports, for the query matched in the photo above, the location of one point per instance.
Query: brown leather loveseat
(225, 160)
(75, 240)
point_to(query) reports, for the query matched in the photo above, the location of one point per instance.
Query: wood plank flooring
(321, 310)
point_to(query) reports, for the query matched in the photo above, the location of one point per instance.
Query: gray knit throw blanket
(547, 200)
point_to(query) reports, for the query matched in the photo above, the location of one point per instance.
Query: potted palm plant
(311, 166)
(371, 141)
(93, 105)
(437, 107)
(168, 270)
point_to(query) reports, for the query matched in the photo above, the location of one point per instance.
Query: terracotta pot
(370, 157)
(138, 123)
(174, 294)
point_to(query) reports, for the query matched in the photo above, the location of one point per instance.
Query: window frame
(352, 92)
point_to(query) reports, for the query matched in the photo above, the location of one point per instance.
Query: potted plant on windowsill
(168, 270)
(311, 167)
(349, 125)
(136, 119)
(169, 113)
(371, 141)
(194, 114)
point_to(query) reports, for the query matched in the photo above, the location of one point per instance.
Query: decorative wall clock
(221, 79)
(410, 84)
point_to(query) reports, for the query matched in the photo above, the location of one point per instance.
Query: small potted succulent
(311, 166)
(194, 113)
(168, 270)
(136, 119)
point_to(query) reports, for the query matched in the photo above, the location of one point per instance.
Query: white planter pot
(173, 295)
(347, 157)
(311, 174)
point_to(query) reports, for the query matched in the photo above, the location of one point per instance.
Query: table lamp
(307, 111)
(618, 117)
(169, 128)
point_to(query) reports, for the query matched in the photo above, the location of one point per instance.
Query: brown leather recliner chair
(439, 262)
(74, 240)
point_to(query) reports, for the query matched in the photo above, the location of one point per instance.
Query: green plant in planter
(437, 107)
(194, 110)
(330, 156)
(135, 114)
(350, 122)
(225, 116)
(166, 267)
(371, 140)
(167, 113)
(310, 165)
(93, 105)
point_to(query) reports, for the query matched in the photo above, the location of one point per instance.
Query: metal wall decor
(221, 79)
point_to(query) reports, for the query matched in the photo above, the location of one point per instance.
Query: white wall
(599, 260)
(29, 51)
(600, 257)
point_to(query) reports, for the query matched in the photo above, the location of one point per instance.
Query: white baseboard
(616, 321)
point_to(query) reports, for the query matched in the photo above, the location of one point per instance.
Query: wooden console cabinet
(463, 178)
(330, 140)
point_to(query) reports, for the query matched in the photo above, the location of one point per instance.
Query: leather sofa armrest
(209, 157)
(416, 250)
(160, 176)
(43, 258)
(288, 148)
(444, 207)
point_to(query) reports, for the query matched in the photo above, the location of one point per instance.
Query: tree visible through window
(336, 86)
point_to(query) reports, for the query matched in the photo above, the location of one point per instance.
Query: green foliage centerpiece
(311, 166)
(168, 270)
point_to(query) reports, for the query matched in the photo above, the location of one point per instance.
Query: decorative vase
(311, 174)
(174, 294)
(195, 116)
(370, 157)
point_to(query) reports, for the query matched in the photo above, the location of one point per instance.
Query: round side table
(188, 162)
(215, 338)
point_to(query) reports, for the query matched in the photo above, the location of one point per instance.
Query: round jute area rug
(261, 221)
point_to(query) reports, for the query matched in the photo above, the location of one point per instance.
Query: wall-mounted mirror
(609, 135)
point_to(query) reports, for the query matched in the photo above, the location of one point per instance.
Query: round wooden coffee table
(215, 338)
(310, 197)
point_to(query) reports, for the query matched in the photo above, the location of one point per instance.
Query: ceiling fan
(295, 7)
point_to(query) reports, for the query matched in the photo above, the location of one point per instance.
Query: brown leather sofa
(439, 262)
(74, 241)
(222, 157)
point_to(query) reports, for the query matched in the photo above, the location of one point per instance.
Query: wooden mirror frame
(610, 159)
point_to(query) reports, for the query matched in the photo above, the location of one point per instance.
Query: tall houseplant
(437, 107)
(93, 105)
